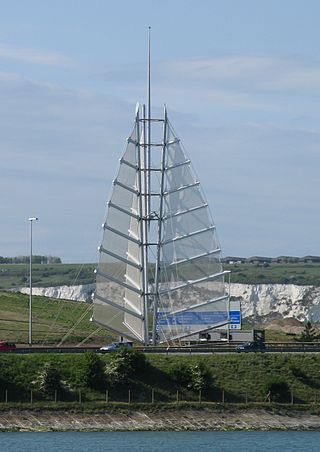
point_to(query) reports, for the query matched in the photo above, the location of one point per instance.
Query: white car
(115, 346)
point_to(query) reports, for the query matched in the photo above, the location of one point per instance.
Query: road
(275, 347)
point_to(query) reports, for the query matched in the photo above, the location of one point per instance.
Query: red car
(7, 346)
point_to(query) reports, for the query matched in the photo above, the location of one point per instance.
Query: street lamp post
(32, 219)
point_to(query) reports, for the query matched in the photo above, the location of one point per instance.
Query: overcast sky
(241, 80)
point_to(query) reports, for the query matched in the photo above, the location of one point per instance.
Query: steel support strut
(144, 261)
(159, 233)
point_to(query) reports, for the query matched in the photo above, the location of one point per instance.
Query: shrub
(180, 374)
(297, 372)
(49, 379)
(200, 377)
(91, 372)
(192, 376)
(124, 365)
(309, 334)
(278, 389)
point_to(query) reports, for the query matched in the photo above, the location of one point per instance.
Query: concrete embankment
(170, 419)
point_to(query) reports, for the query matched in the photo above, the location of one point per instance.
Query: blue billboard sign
(200, 319)
(192, 318)
(235, 320)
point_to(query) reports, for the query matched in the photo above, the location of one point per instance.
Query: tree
(35, 259)
(124, 364)
(49, 379)
(200, 377)
(91, 373)
(195, 376)
(309, 334)
(180, 374)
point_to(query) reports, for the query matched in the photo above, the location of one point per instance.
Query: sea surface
(160, 441)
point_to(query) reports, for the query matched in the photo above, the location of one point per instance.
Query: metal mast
(159, 232)
(145, 180)
(149, 123)
(142, 223)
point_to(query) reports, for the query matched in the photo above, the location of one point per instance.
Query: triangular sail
(192, 295)
(160, 254)
(118, 301)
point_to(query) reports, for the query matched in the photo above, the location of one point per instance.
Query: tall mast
(149, 123)
(149, 73)
(147, 186)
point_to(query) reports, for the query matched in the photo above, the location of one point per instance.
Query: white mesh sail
(192, 294)
(118, 303)
(158, 221)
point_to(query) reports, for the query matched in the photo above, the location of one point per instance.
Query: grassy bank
(52, 320)
(234, 378)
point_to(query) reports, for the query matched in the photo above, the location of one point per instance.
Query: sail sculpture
(159, 276)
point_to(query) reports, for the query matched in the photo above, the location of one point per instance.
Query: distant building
(259, 260)
(310, 259)
(271, 260)
(285, 260)
(233, 260)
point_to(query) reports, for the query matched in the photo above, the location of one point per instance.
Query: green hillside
(52, 320)
(297, 273)
(47, 275)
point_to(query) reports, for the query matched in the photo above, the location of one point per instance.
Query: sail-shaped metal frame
(121, 290)
(188, 277)
(191, 294)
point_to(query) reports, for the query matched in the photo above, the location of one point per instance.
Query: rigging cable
(61, 304)
(82, 317)
(93, 333)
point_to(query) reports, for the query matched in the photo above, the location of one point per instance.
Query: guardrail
(270, 347)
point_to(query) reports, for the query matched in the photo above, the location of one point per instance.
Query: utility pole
(31, 219)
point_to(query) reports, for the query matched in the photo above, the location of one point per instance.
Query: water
(160, 441)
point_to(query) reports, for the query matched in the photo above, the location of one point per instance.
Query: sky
(241, 81)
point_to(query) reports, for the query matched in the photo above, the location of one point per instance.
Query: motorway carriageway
(271, 347)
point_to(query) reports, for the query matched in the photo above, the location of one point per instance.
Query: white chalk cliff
(268, 301)
(74, 293)
(258, 301)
